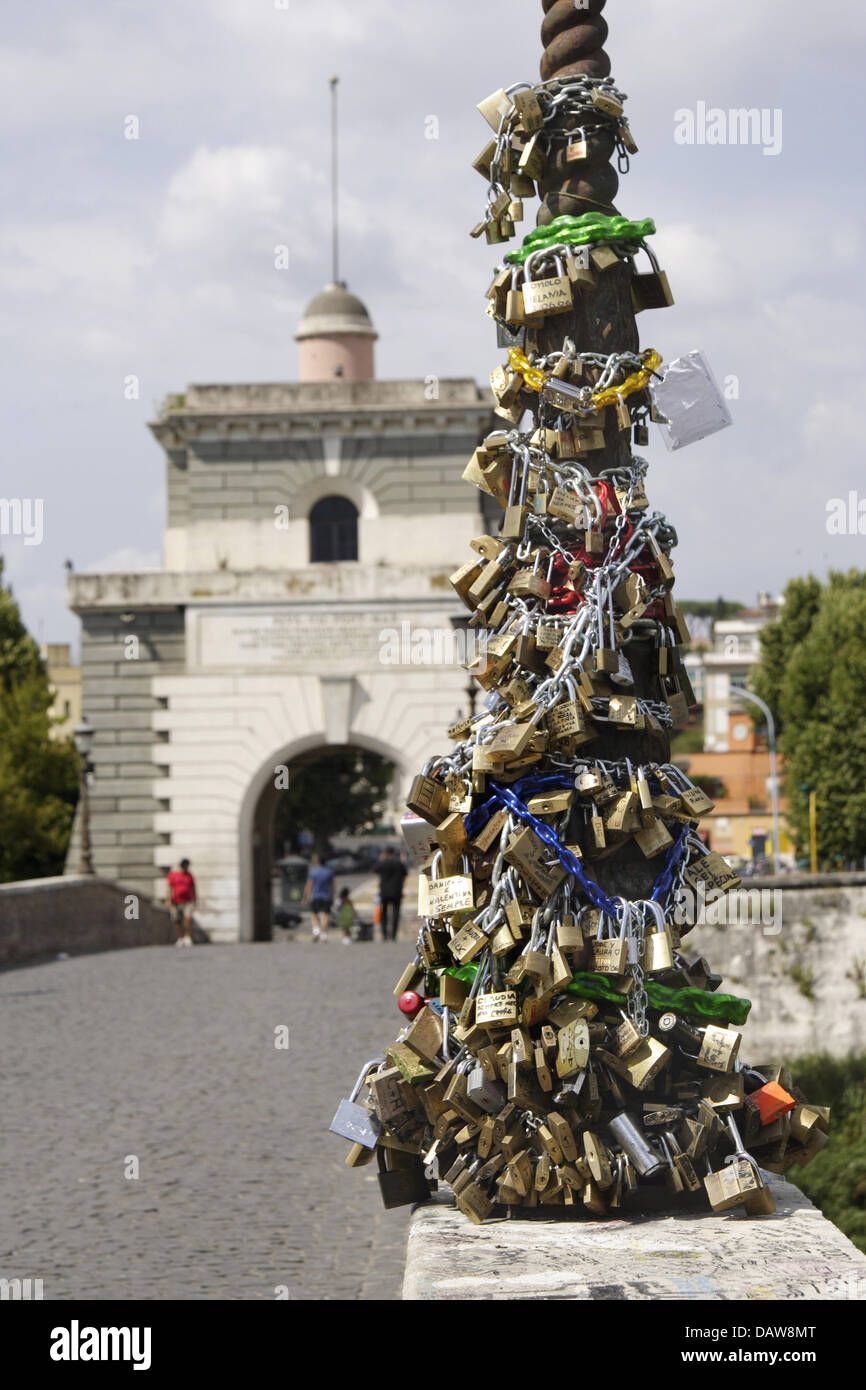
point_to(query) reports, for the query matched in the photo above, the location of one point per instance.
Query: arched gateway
(240, 653)
(255, 827)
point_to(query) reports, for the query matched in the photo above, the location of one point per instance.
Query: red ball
(410, 1003)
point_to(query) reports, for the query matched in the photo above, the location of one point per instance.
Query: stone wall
(121, 652)
(803, 966)
(44, 916)
(794, 1254)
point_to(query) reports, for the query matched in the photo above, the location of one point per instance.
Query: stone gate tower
(304, 520)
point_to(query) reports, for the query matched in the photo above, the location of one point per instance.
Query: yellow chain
(519, 362)
(535, 378)
(636, 382)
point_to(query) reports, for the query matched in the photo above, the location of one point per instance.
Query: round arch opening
(257, 850)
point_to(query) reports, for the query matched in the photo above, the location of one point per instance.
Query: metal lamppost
(83, 736)
(739, 694)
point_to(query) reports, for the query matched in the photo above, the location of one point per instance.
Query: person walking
(319, 892)
(180, 897)
(346, 916)
(392, 873)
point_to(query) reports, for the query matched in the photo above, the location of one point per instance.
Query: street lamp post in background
(83, 736)
(813, 829)
(739, 694)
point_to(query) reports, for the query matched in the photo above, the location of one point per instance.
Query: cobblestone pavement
(169, 1056)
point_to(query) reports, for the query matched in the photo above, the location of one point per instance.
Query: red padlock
(410, 1003)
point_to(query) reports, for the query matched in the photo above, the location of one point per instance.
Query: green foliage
(341, 792)
(687, 740)
(38, 776)
(804, 978)
(812, 674)
(836, 1180)
(719, 608)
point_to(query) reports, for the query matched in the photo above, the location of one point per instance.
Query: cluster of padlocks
(558, 1046)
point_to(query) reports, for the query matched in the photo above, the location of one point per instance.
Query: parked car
(345, 863)
(285, 919)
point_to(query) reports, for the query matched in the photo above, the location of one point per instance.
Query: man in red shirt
(180, 899)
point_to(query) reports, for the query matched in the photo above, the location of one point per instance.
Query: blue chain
(569, 861)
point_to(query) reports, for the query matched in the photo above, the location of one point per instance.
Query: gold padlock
(552, 295)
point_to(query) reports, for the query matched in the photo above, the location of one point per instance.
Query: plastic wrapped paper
(690, 400)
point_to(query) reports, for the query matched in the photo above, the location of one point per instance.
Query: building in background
(742, 823)
(65, 679)
(735, 651)
(308, 524)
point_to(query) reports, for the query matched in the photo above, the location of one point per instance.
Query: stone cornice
(314, 584)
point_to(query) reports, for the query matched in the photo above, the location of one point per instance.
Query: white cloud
(219, 196)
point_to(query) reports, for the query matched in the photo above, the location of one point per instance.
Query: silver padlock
(633, 1143)
(354, 1122)
(489, 1096)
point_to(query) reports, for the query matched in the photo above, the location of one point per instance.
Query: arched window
(333, 531)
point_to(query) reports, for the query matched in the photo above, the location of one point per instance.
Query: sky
(156, 153)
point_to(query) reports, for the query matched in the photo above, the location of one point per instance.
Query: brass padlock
(428, 799)
(651, 291)
(576, 148)
(529, 110)
(552, 295)
(496, 108)
(719, 1048)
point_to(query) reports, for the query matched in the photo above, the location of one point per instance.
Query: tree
(38, 775)
(780, 639)
(343, 791)
(812, 674)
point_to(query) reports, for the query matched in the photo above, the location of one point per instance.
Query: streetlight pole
(774, 784)
(83, 736)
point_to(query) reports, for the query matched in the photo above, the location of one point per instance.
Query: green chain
(580, 231)
(699, 1003)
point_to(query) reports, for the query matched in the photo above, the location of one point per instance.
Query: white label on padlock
(690, 400)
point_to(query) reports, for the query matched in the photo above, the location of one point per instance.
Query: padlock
(719, 1048)
(516, 511)
(496, 1010)
(581, 273)
(403, 1184)
(552, 295)
(651, 291)
(529, 110)
(355, 1122)
(608, 953)
(514, 310)
(631, 1139)
(428, 799)
(496, 108)
(533, 158)
(572, 1049)
(489, 1096)
(576, 147)
(531, 583)
(605, 101)
(454, 893)
(658, 951)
